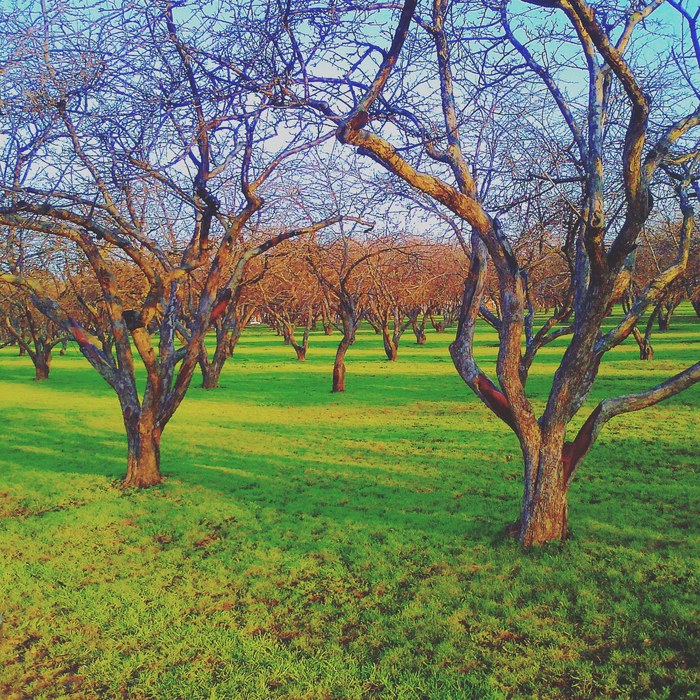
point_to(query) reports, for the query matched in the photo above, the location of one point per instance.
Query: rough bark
(438, 324)
(545, 512)
(339, 366)
(664, 320)
(143, 456)
(211, 370)
(419, 328)
(646, 350)
(390, 348)
(42, 366)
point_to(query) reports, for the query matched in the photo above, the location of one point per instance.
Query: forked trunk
(211, 374)
(545, 512)
(211, 369)
(646, 351)
(143, 461)
(665, 312)
(299, 348)
(439, 326)
(418, 328)
(390, 348)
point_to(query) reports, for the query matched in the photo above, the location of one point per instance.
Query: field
(310, 545)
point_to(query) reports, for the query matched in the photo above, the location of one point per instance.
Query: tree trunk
(418, 329)
(211, 371)
(646, 351)
(545, 509)
(300, 351)
(41, 368)
(696, 306)
(665, 313)
(339, 366)
(389, 346)
(143, 461)
(327, 328)
(211, 375)
(438, 325)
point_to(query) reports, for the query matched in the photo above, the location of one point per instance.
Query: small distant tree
(392, 277)
(235, 314)
(340, 268)
(29, 329)
(291, 297)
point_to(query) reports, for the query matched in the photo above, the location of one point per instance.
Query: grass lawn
(310, 545)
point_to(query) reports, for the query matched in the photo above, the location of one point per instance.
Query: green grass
(311, 545)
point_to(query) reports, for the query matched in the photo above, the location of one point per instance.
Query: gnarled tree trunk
(544, 513)
(42, 362)
(339, 365)
(143, 457)
(228, 333)
(211, 369)
(389, 345)
(439, 324)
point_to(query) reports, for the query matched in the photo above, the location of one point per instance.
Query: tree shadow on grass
(382, 482)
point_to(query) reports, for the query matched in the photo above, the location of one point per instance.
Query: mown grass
(310, 545)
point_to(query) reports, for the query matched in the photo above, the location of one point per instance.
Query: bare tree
(133, 156)
(290, 296)
(391, 307)
(340, 267)
(29, 329)
(383, 109)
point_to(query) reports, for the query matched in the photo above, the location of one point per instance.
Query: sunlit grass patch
(311, 545)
